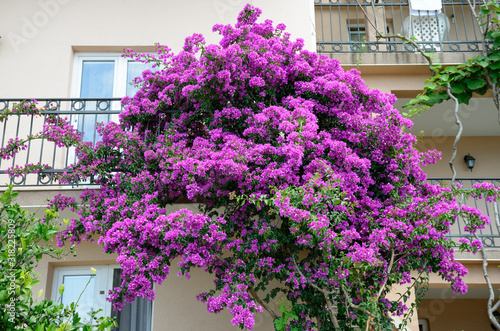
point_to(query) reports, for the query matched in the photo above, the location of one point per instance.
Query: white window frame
(103, 283)
(119, 82)
(359, 28)
(119, 79)
(120, 73)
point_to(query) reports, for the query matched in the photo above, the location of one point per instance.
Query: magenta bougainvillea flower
(309, 186)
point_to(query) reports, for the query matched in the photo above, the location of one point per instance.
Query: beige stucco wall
(486, 151)
(39, 37)
(455, 314)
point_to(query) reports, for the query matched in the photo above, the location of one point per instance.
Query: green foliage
(475, 76)
(287, 314)
(24, 240)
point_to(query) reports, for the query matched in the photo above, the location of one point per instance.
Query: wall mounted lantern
(469, 161)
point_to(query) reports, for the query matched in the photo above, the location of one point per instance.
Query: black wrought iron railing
(82, 113)
(347, 26)
(490, 235)
(85, 113)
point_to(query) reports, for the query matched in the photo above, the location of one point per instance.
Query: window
(357, 37)
(135, 316)
(104, 76)
(423, 324)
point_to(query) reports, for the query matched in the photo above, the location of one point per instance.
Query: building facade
(67, 55)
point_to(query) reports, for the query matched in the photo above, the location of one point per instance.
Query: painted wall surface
(475, 276)
(39, 37)
(486, 151)
(455, 315)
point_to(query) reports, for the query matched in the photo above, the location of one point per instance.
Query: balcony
(82, 113)
(85, 113)
(490, 235)
(345, 26)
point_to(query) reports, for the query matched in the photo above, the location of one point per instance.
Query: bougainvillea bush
(309, 189)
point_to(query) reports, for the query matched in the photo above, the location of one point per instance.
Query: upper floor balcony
(82, 113)
(347, 30)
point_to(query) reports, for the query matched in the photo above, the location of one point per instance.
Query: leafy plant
(476, 76)
(24, 240)
(287, 316)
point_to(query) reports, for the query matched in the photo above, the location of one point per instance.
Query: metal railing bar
(29, 144)
(17, 135)
(331, 23)
(54, 151)
(322, 25)
(456, 26)
(41, 147)
(465, 26)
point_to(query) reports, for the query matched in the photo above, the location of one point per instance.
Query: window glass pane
(135, 69)
(73, 287)
(97, 79)
(97, 82)
(357, 34)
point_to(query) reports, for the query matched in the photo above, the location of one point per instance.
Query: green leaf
(457, 88)
(483, 63)
(3, 295)
(5, 198)
(495, 75)
(495, 34)
(464, 98)
(494, 65)
(432, 86)
(494, 56)
(61, 289)
(39, 293)
(451, 69)
(445, 78)
(474, 84)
